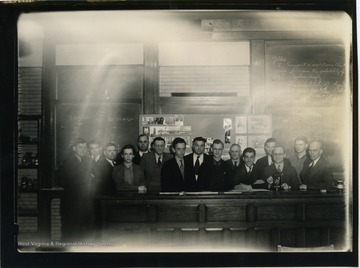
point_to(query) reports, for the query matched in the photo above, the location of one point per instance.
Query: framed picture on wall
(259, 124)
(240, 124)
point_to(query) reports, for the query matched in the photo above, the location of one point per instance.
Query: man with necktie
(281, 170)
(235, 155)
(151, 163)
(95, 151)
(217, 172)
(173, 170)
(247, 173)
(143, 148)
(194, 164)
(76, 208)
(265, 161)
(104, 184)
(316, 172)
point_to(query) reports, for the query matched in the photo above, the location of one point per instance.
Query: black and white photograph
(115, 108)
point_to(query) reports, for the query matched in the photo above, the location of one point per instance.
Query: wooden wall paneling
(226, 213)
(151, 79)
(257, 87)
(322, 212)
(47, 135)
(288, 237)
(152, 213)
(263, 238)
(191, 236)
(276, 212)
(202, 213)
(214, 237)
(173, 213)
(238, 237)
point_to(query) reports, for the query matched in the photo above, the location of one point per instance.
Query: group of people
(94, 170)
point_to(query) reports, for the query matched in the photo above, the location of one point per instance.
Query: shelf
(28, 143)
(25, 117)
(28, 167)
(28, 213)
(35, 191)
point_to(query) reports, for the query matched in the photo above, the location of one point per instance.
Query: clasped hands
(270, 180)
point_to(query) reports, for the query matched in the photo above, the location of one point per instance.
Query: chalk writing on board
(306, 76)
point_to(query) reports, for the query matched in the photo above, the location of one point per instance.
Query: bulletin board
(246, 130)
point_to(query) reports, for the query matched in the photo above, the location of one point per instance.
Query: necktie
(279, 169)
(159, 161)
(235, 164)
(307, 173)
(250, 169)
(182, 168)
(197, 165)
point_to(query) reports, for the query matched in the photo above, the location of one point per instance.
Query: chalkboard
(304, 74)
(306, 94)
(117, 123)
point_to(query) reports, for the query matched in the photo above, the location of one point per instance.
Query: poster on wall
(170, 120)
(227, 125)
(259, 124)
(240, 124)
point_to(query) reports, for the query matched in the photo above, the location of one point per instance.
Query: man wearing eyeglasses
(281, 170)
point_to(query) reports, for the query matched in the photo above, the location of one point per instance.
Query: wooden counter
(241, 222)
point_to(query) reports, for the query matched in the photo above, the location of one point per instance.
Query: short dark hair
(270, 140)
(158, 139)
(142, 135)
(235, 144)
(109, 144)
(249, 150)
(301, 138)
(94, 142)
(78, 141)
(177, 141)
(127, 146)
(217, 141)
(199, 139)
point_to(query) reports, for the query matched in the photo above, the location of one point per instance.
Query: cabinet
(28, 174)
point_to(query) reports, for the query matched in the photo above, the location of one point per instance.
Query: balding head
(278, 154)
(315, 150)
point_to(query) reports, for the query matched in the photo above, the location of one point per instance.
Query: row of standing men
(91, 171)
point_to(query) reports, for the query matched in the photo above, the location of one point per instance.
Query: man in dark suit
(173, 170)
(95, 151)
(104, 184)
(316, 173)
(217, 172)
(248, 173)
(194, 165)
(76, 205)
(143, 148)
(265, 161)
(281, 171)
(151, 164)
(235, 155)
